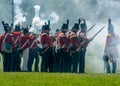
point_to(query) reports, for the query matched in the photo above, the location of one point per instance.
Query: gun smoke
(19, 13)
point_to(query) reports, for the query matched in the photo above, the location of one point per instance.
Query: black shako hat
(64, 26)
(83, 26)
(76, 26)
(110, 27)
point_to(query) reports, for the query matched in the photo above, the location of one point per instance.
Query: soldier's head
(110, 27)
(109, 21)
(43, 26)
(17, 27)
(46, 28)
(64, 28)
(83, 26)
(75, 28)
(25, 30)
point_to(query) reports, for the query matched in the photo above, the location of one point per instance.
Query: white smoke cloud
(40, 19)
(108, 8)
(95, 49)
(37, 22)
(53, 17)
(19, 14)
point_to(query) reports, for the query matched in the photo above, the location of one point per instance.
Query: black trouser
(16, 61)
(107, 65)
(33, 54)
(47, 61)
(56, 61)
(82, 61)
(75, 60)
(65, 62)
(7, 62)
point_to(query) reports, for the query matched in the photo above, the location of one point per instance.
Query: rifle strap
(32, 43)
(25, 43)
(5, 37)
(16, 41)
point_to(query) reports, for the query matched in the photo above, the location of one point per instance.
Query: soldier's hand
(3, 22)
(90, 39)
(1, 52)
(82, 35)
(20, 50)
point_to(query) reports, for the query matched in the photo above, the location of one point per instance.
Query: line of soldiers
(62, 52)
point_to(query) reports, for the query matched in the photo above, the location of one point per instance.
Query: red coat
(63, 42)
(74, 41)
(8, 39)
(24, 41)
(16, 36)
(111, 47)
(33, 42)
(85, 41)
(46, 40)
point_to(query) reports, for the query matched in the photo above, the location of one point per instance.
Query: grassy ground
(57, 79)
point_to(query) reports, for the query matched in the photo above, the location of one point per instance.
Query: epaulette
(11, 34)
(62, 35)
(2, 34)
(73, 35)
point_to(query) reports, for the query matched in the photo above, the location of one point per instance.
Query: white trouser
(25, 59)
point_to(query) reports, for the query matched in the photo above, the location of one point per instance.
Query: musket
(98, 32)
(90, 28)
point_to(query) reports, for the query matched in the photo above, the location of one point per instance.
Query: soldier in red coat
(111, 53)
(7, 47)
(84, 41)
(57, 59)
(63, 44)
(47, 50)
(33, 53)
(16, 61)
(75, 44)
(24, 47)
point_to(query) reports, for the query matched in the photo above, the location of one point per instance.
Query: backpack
(7, 47)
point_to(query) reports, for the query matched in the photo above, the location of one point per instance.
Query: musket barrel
(91, 27)
(98, 32)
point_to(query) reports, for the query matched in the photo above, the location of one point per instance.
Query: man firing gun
(84, 41)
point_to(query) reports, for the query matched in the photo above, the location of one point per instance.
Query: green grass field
(58, 79)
